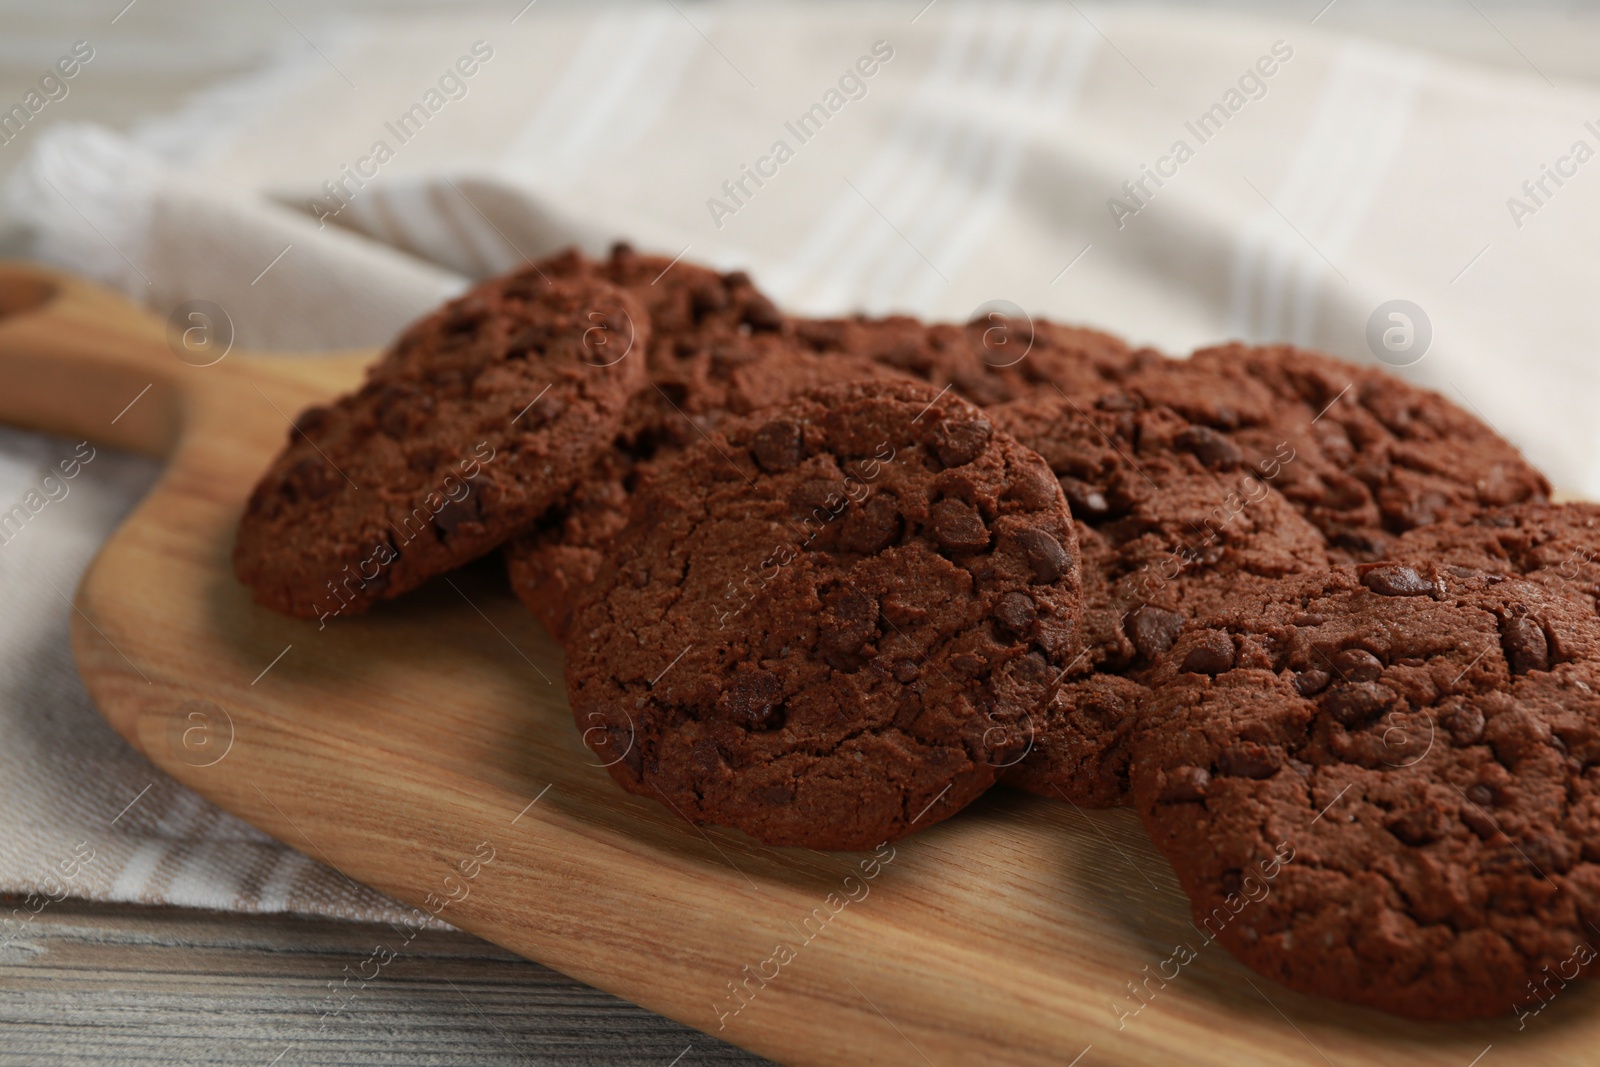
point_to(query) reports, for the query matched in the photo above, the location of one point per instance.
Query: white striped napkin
(1177, 178)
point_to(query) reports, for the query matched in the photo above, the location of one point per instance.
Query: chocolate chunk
(1464, 724)
(1153, 630)
(1118, 402)
(961, 438)
(1357, 703)
(1049, 560)
(816, 502)
(958, 526)
(1211, 448)
(753, 700)
(1395, 579)
(760, 314)
(778, 446)
(823, 335)
(706, 297)
(1415, 827)
(1034, 670)
(707, 757)
(458, 513)
(1525, 645)
(872, 527)
(1087, 502)
(1247, 759)
(1310, 683)
(1034, 489)
(851, 623)
(1357, 665)
(1016, 612)
(967, 664)
(1213, 655)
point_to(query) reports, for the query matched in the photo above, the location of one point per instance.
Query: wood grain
(399, 746)
(98, 983)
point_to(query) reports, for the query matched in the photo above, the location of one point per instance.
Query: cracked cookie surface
(1383, 785)
(991, 360)
(830, 624)
(1175, 521)
(718, 348)
(1556, 545)
(1310, 460)
(1376, 456)
(476, 420)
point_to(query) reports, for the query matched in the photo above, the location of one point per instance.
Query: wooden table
(96, 983)
(107, 983)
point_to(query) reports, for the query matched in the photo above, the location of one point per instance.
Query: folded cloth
(1176, 178)
(81, 813)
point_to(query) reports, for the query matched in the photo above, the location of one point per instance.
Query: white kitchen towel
(1175, 178)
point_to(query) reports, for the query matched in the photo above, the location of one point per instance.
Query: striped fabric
(1177, 178)
(1353, 135)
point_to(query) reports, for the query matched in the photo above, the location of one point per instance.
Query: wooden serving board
(406, 746)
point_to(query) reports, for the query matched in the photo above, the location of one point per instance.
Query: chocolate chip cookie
(1175, 520)
(1372, 456)
(990, 360)
(1379, 785)
(479, 418)
(718, 347)
(554, 560)
(829, 624)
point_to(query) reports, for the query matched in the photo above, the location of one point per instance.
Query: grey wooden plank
(101, 984)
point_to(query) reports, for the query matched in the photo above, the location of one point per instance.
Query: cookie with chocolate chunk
(1371, 456)
(831, 623)
(476, 421)
(706, 327)
(1379, 785)
(990, 360)
(1557, 545)
(718, 347)
(554, 560)
(1175, 521)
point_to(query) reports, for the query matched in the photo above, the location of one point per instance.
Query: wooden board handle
(79, 360)
(82, 361)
